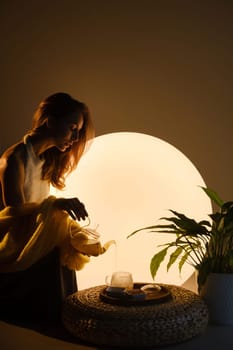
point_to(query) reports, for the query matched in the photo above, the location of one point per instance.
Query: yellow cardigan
(31, 231)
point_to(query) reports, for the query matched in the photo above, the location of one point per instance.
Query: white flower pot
(218, 295)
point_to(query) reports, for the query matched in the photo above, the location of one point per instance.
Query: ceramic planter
(218, 295)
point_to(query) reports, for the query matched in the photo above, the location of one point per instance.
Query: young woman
(60, 132)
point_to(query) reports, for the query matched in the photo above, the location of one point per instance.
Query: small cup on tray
(118, 282)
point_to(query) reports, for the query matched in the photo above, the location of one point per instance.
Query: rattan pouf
(86, 316)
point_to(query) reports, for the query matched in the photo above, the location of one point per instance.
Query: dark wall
(159, 67)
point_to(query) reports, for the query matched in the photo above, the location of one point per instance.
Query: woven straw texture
(89, 318)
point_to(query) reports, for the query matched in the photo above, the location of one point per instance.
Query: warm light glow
(128, 181)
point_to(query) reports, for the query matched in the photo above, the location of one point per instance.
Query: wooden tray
(155, 297)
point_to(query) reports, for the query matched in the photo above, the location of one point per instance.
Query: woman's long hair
(57, 165)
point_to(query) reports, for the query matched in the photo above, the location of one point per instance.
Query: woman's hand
(73, 206)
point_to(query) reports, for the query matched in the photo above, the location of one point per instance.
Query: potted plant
(208, 246)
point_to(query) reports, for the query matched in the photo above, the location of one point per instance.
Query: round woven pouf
(86, 316)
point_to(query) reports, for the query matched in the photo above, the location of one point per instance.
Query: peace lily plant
(207, 245)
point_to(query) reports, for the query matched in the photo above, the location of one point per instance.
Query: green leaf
(213, 195)
(204, 223)
(190, 226)
(157, 229)
(174, 256)
(183, 260)
(147, 228)
(204, 270)
(156, 261)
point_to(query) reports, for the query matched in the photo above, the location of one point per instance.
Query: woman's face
(67, 131)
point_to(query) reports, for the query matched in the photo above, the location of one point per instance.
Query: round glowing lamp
(127, 181)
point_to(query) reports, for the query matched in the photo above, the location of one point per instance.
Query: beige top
(35, 189)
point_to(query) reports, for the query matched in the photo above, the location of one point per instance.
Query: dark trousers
(36, 294)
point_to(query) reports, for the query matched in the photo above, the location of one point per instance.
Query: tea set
(121, 285)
